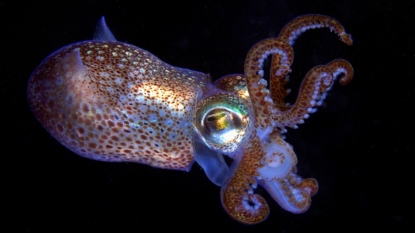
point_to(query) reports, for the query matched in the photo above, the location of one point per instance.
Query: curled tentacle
(341, 66)
(312, 91)
(278, 176)
(267, 158)
(292, 192)
(260, 97)
(278, 76)
(310, 185)
(303, 23)
(237, 195)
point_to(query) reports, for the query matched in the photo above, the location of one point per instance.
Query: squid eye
(223, 121)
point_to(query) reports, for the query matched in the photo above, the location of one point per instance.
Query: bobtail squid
(112, 101)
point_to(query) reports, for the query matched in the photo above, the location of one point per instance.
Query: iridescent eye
(223, 121)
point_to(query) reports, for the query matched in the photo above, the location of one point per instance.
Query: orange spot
(81, 130)
(60, 128)
(85, 108)
(92, 145)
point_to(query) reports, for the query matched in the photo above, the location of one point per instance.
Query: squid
(111, 101)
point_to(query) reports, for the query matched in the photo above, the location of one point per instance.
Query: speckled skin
(112, 101)
(268, 151)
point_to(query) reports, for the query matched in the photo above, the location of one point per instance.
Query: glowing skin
(111, 101)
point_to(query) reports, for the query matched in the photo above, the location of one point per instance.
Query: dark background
(359, 145)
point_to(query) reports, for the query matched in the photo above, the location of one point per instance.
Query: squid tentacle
(311, 93)
(293, 115)
(260, 95)
(307, 98)
(278, 176)
(292, 192)
(313, 90)
(341, 66)
(278, 80)
(237, 195)
(297, 26)
(267, 158)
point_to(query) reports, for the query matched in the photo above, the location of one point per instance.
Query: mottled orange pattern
(111, 101)
(272, 116)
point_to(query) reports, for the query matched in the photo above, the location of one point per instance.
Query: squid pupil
(211, 118)
(218, 121)
(216, 116)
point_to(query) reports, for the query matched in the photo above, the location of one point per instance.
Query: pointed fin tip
(102, 32)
